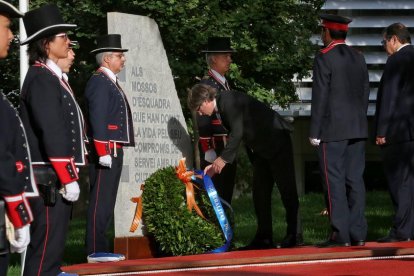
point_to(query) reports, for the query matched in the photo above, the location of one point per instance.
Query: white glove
(210, 155)
(314, 142)
(21, 239)
(70, 191)
(105, 160)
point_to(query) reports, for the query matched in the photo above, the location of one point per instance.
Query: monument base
(135, 247)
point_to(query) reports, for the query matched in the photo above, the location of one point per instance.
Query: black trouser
(104, 184)
(279, 169)
(399, 170)
(47, 237)
(4, 263)
(342, 165)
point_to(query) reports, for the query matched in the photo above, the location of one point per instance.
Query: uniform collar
(110, 74)
(54, 68)
(218, 75)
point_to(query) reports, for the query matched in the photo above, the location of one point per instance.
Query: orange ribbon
(138, 211)
(185, 177)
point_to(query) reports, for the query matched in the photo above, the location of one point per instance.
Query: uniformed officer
(213, 136)
(53, 123)
(339, 130)
(110, 129)
(16, 175)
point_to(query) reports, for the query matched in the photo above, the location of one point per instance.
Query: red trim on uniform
(45, 244)
(102, 147)
(94, 212)
(112, 127)
(327, 179)
(65, 169)
(216, 122)
(332, 45)
(19, 166)
(205, 143)
(335, 26)
(12, 204)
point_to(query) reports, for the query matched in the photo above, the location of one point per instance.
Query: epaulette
(206, 77)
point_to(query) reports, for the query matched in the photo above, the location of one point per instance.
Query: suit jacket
(252, 122)
(210, 126)
(53, 122)
(394, 117)
(110, 118)
(340, 94)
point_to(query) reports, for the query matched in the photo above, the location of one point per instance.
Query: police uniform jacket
(394, 118)
(209, 127)
(252, 122)
(340, 94)
(110, 119)
(53, 121)
(16, 175)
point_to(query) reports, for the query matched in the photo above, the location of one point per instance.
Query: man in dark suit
(16, 175)
(339, 130)
(394, 129)
(110, 130)
(213, 136)
(267, 135)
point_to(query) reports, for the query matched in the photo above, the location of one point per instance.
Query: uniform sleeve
(205, 132)
(320, 94)
(98, 98)
(45, 104)
(11, 187)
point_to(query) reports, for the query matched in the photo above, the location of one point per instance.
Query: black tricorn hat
(218, 45)
(9, 10)
(335, 22)
(43, 22)
(109, 43)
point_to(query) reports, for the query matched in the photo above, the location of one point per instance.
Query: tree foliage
(271, 38)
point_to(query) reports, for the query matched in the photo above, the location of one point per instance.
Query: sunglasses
(63, 35)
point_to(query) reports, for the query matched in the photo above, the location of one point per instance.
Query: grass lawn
(315, 226)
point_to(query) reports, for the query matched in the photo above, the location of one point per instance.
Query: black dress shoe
(258, 244)
(358, 243)
(291, 240)
(332, 243)
(392, 239)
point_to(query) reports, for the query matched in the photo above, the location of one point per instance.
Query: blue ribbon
(218, 209)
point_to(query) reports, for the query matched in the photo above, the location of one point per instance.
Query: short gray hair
(100, 57)
(209, 59)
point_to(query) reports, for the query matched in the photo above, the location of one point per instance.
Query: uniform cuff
(18, 210)
(205, 143)
(102, 147)
(65, 169)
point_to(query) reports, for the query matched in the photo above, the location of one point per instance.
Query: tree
(271, 38)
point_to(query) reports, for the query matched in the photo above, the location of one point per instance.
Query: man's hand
(210, 155)
(21, 239)
(215, 168)
(380, 140)
(105, 161)
(314, 141)
(70, 191)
